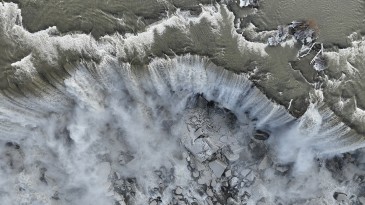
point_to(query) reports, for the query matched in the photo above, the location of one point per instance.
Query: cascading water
(110, 120)
(82, 122)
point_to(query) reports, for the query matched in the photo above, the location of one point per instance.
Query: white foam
(79, 130)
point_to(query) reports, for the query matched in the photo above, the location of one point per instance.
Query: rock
(217, 167)
(261, 135)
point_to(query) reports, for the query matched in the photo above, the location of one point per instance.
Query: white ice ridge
(319, 127)
(86, 140)
(131, 119)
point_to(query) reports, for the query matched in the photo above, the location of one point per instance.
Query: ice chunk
(264, 164)
(304, 32)
(217, 167)
(245, 3)
(341, 197)
(178, 191)
(228, 173)
(280, 36)
(245, 172)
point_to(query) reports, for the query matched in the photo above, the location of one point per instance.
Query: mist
(115, 126)
(178, 130)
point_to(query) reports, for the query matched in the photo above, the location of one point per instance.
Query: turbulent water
(184, 111)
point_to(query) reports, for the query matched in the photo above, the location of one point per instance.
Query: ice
(109, 132)
(228, 173)
(302, 31)
(245, 3)
(217, 167)
(178, 191)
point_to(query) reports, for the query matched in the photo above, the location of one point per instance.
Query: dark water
(123, 102)
(336, 19)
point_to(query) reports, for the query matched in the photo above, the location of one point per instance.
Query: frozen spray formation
(79, 124)
(112, 125)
